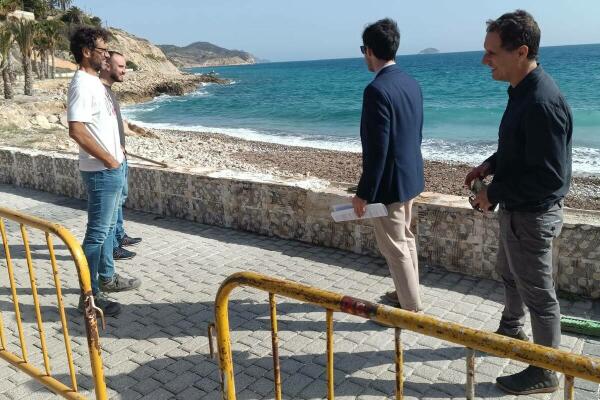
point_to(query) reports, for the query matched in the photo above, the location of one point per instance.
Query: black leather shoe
(390, 298)
(520, 335)
(129, 241)
(529, 381)
(122, 254)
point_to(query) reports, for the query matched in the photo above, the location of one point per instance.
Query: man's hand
(478, 172)
(79, 133)
(481, 200)
(360, 206)
(111, 163)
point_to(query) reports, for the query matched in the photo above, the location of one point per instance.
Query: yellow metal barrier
(22, 362)
(571, 365)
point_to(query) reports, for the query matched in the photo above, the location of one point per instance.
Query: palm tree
(74, 15)
(8, 6)
(6, 41)
(24, 33)
(52, 30)
(64, 4)
(41, 45)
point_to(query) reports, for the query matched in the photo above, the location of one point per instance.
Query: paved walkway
(157, 348)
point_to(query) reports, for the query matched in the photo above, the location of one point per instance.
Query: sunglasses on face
(363, 49)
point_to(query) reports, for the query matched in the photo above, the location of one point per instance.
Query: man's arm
(79, 133)
(375, 142)
(545, 129)
(128, 131)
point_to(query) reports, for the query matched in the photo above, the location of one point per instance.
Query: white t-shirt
(89, 102)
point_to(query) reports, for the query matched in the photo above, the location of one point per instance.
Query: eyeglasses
(363, 49)
(103, 50)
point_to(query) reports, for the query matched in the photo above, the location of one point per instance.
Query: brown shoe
(391, 298)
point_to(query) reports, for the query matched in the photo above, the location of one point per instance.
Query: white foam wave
(329, 143)
(139, 108)
(586, 160)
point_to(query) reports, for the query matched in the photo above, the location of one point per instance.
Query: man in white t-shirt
(93, 125)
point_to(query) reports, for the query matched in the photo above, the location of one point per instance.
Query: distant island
(204, 54)
(429, 50)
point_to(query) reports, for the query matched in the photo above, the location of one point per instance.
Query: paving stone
(157, 348)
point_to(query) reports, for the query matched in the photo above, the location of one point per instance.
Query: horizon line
(419, 54)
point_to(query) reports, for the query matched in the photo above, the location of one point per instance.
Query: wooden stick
(162, 164)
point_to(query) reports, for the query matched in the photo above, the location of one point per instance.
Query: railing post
(470, 374)
(275, 345)
(224, 344)
(330, 383)
(399, 360)
(569, 387)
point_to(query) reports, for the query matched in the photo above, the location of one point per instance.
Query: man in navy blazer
(391, 134)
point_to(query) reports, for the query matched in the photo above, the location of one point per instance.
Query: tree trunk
(34, 66)
(11, 71)
(44, 65)
(53, 66)
(8, 89)
(27, 71)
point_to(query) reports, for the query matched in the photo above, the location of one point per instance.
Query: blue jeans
(119, 230)
(104, 190)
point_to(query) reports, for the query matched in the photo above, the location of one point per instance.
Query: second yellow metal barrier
(571, 365)
(22, 362)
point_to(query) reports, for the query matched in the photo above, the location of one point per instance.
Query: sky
(288, 30)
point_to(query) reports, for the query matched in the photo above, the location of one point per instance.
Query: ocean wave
(146, 107)
(586, 160)
(323, 142)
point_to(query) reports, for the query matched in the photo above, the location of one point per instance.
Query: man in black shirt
(114, 71)
(532, 174)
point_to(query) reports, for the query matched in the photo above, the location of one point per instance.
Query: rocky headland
(429, 50)
(204, 54)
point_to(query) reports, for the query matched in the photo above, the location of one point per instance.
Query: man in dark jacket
(390, 132)
(532, 173)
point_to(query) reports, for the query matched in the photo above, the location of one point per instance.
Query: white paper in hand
(345, 212)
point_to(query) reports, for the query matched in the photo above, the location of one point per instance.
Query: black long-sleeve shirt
(532, 166)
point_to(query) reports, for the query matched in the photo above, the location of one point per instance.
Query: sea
(318, 103)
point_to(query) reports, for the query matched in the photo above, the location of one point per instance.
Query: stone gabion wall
(449, 233)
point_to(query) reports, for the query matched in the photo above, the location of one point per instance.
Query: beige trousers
(397, 244)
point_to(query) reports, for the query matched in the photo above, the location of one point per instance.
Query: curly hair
(517, 29)
(383, 38)
(85, 38)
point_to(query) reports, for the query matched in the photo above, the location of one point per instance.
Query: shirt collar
(385, 67)
(529, 80)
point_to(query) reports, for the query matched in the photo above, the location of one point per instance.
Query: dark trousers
(525, 265)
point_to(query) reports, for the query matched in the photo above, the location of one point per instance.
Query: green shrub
(132, 65)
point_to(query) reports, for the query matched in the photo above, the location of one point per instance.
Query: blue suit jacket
(391, 133)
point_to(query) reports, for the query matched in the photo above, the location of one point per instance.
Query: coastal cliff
(40, 120)
(141, 53)
(204, 54)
